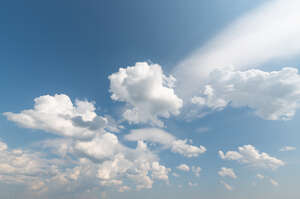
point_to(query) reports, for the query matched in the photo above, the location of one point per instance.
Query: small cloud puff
(247, 154)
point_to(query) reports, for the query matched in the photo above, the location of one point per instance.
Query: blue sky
(152, 99)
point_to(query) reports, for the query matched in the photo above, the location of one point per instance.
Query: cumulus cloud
(33, 169)
(3, 146)
(288, 148)
(183, 167)
(88, 150)
(227, 186)
(196, 170)
(148, 93)
(140, 164)
(192, 184)
(57, 114)
(260, 176)
(124, 188)
(247, 154)
(227, 172)
(167, 140)
(272, 95)
(268, 32)
(274, 182)
(106, 161)
(100, 147)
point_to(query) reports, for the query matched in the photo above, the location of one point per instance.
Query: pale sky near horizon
(150, 99)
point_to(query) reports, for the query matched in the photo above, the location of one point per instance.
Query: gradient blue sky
(72, 47)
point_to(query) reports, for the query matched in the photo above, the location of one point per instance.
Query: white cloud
(274, 182)
(260, 176)
(154, 135)
(181, 147)
(268, 32)
(196, 170)
(103, 146)
(148, 93)
(192, 184)
(272, 95)
(124, 188)
(167, 140)
(57, 114)
(227, 172)
(3, 146)
(159, 171)
(247, 154)
(288, 148)
(227, 186)
(99, 154)
(183, 167)
(140, 165)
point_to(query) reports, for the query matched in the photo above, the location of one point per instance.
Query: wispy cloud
(288, 148)
(268, 32)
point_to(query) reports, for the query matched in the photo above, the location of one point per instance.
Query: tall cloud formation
(167, 140)
(148, 93)
(272, 95)
(268, 32)
(247, 154)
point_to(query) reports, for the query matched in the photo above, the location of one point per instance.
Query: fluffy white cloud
(105, 160)
(227, 186)
(154, 135)
(183, 167)
(273, 95)
(227, 172)
(288, 148)
(57, 114)
(196, 170)
(274, 182)
(3, 146)
(139, 165)
(147, 91)
(29, 168)
(167, 140)
(192, 184)
(102, 146)
(159, 171)
(260, 176)
(247, 154)
(181, 147)
(90, 153)
(124, 188)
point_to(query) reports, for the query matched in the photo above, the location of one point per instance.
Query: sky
(154, 99)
